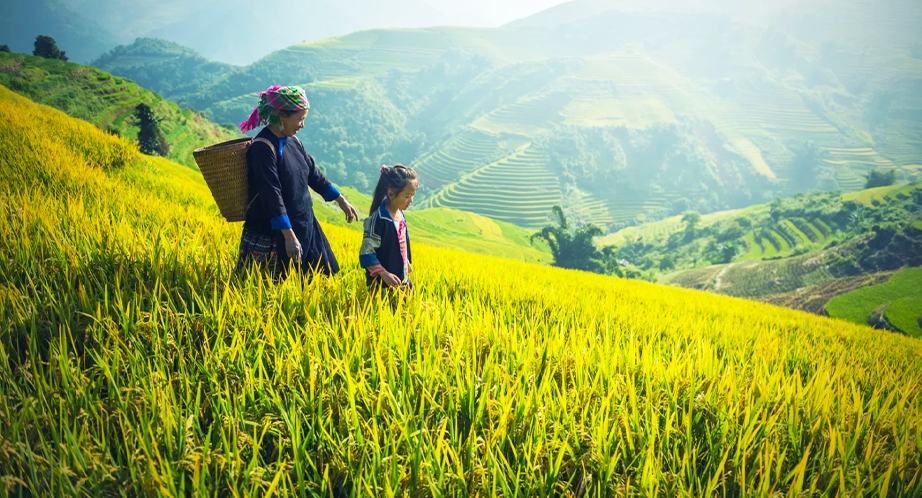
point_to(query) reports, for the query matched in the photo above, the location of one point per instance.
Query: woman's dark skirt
(262, 251)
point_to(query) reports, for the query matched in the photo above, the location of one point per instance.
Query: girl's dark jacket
(381, 245)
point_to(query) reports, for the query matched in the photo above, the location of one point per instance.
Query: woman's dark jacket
(280, 183)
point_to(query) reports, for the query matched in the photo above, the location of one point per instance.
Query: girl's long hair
(395, 177)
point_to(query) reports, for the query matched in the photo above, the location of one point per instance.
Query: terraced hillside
(108, 102)
(518, 188)
(528, 116)
(789, 235)
(466, 151)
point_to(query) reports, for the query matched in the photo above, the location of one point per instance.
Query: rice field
(518, 189)
(906, 314)
(881, 194)
(528, 116)
(753, 248)
(367, 53)
(135, 363)
(755, 279)
(903, 291)
(463, 153)
(632, 206)
(585, 208)
(778, 244)
(604, 110)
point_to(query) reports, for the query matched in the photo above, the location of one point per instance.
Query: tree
(732, 231)
(805, 166)
(880, 178)
(5, 48)
(46, 47)
(878, 108)
(573, 247)
(691, 219)
(150, 137)
(728, 251)
(667, 263)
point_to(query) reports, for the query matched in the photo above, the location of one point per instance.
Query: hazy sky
(491, 12)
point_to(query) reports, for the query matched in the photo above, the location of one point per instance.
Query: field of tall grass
(132, 362)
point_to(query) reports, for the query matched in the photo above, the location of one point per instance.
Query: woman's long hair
(395, 177)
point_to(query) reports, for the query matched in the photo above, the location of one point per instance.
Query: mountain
(621, 116)
(576, 11)
(108, 102)
(79, 36)
(239, 32)
(134, 362)
(171, 68)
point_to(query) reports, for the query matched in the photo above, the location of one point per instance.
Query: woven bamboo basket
(224, 167)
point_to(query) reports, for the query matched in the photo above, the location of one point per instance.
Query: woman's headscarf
(273, 100)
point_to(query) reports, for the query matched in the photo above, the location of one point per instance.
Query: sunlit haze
(491, 13)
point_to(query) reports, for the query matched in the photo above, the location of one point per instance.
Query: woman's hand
(389, 279)
(351, 214)
(292, 245)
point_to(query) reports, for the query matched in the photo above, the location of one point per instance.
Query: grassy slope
(904, 291)
(107, 101)
(134, 362)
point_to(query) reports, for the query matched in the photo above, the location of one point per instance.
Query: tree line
(44, 46)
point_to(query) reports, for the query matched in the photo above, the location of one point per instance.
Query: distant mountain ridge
(80, 37)
(240, 32)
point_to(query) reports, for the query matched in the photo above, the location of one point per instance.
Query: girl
(385, 252)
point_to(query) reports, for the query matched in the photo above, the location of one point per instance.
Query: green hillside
(172, 69)
(802, 225)
(898, 302)
(108, 102)
(799, 252)
(624, 116)
(133, 362)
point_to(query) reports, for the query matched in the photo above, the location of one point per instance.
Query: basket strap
(263, 140)
(306, 156)
(272, 147)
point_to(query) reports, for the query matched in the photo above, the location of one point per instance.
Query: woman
(280, 230)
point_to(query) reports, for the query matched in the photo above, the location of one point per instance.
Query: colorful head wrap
(273, 100)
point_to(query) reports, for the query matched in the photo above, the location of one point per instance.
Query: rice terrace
(587, 249)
